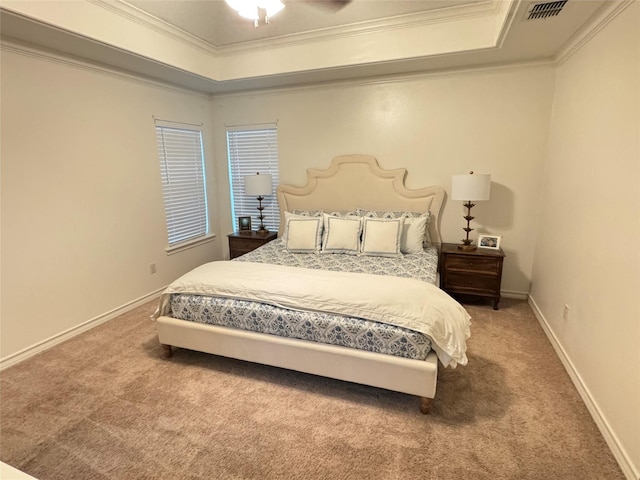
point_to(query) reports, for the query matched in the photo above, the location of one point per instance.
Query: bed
(328, 313)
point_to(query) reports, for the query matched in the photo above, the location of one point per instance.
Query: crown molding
(514, 8)
(67, 60)
(600, 20)
(390, 78)
(204, 64)
(412, 20)
(144, 19)
(442, 15)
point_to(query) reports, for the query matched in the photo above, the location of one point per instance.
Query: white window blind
(253, 151)
(183, 182)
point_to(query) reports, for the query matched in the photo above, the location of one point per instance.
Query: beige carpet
(104, 405)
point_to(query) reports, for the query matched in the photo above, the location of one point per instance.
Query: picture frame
(244, 224)
(489, 241)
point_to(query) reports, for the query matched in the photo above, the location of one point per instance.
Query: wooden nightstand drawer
(244, 245)
(475, 264)
(236, 252)
(245, 242)
(484, 283)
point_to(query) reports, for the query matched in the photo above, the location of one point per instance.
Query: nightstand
(244, 242)
(477, 272)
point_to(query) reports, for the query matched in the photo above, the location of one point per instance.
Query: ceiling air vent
(544, 10)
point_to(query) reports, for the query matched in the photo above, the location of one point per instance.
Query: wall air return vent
(544, 10)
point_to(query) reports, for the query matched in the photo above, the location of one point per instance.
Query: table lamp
(470, 188)
(259, 185)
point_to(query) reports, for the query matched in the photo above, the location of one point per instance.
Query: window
(183, 182)
(253, 151)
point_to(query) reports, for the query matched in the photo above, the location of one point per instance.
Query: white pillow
(287, 216)
(399, 214)
(381, 237)
(413, 235)
(341, 235)
(302, 237)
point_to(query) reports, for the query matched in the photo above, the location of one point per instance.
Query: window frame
(243, 160)
(181, 158)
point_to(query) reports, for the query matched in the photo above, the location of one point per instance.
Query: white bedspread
(404, 302)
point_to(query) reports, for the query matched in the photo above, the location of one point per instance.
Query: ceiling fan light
(246, 9)
(235, 4)
(271, 6)
(249, 13)
(249, 8)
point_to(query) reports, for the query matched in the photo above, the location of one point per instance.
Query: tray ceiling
(206, 46)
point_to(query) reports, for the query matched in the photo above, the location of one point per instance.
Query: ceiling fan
(251, 9)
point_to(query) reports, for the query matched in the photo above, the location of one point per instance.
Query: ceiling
(216, 23)
(206, 46)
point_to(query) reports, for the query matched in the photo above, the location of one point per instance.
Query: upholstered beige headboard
(357, 181)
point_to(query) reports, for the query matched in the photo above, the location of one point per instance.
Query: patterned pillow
(414, 229)
(341, 235)
(302, 234)
(381, 237)
(320, 213)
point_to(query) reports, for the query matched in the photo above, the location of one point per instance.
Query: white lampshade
(258, 185)
(472, 186)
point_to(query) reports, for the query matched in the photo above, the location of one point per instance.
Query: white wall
(587, 253)
(436, 126)
(82, 211)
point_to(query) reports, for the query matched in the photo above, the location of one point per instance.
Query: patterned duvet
(319, 327)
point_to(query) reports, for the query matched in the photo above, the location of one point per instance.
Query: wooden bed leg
(166, 350)
(425, 404)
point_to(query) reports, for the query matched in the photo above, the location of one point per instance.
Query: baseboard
(77, 330)
(513, 294)
(620, 454)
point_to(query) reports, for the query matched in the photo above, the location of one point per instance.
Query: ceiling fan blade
(329, 5)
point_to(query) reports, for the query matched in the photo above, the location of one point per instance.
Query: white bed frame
(352, 181)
